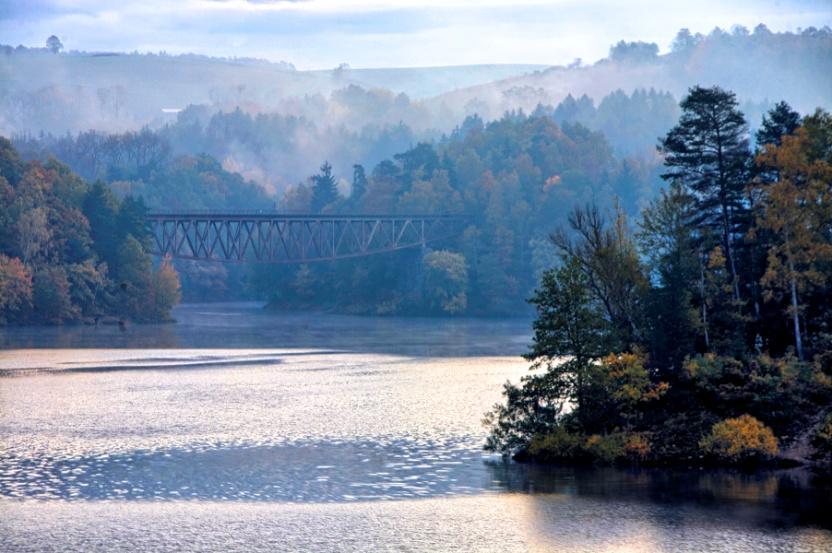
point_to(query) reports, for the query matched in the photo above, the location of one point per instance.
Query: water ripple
(318, 471)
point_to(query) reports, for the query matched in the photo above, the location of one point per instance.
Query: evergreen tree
(133, 278)
(324, 188)
(667, 241)
(778, 122)
(708, 153)
(101, 209)
(359, 182)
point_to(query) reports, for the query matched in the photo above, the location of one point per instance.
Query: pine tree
(359, 182)
(666, 237)
(778, 122)
(324, 188)
(708, 153)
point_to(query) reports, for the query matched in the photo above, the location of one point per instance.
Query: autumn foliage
(73, 252)
(740, 439)
(706, 334)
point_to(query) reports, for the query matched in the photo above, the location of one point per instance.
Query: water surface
(239, 429)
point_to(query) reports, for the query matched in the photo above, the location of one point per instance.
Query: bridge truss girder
(292, 239)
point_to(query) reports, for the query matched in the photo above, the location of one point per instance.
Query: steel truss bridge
(269, 237)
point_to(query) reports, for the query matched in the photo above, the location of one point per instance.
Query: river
(237, 429)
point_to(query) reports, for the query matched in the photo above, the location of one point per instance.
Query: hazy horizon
(321, 34)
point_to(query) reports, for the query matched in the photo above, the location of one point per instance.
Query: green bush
(677, 437)
(558, 445)
(606, 448)
(740, 440)
(822, 442)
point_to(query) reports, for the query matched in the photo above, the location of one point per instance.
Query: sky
(321, 34)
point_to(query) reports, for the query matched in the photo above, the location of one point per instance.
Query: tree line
(704, 333)
(511, 178)
(71, 251)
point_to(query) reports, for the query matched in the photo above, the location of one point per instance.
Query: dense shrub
(560, 445)
(606, 448)
(740, 440)
(770, 389)
(822, 442)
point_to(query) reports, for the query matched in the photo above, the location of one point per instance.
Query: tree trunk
(798, 341)
(704, 302)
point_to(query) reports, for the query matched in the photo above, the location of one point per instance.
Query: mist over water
(245, 429)
(250, 326)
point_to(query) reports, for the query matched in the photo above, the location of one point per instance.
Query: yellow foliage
(629, 382)
(739, 439)
(637, 446)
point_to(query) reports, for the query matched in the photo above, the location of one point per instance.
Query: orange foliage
(740, 439)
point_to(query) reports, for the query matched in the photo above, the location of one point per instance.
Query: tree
(54, 44)
(166, 290)
(707, 152)
(627, 380)
(570, 335)
(15, 288)
(305, 284)
(359, 182)
(666, 237)
(11, 166)
(298, 199)
(445, 282)
(324, 188)
(607, 256)
(796, 210)
(431, 196)
(131, 220)
(51, 300)
(780, 121)
(685, 42)
(634, 51)
(33, 234)
(101, 210)
(88, 287)
(133, 278)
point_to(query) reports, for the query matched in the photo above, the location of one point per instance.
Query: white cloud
(367, 33)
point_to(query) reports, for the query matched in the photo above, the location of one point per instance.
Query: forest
(74, 252)
(701, 333)
(514, 176)
(682, 289)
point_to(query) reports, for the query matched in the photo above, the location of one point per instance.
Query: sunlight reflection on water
(333, 438)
